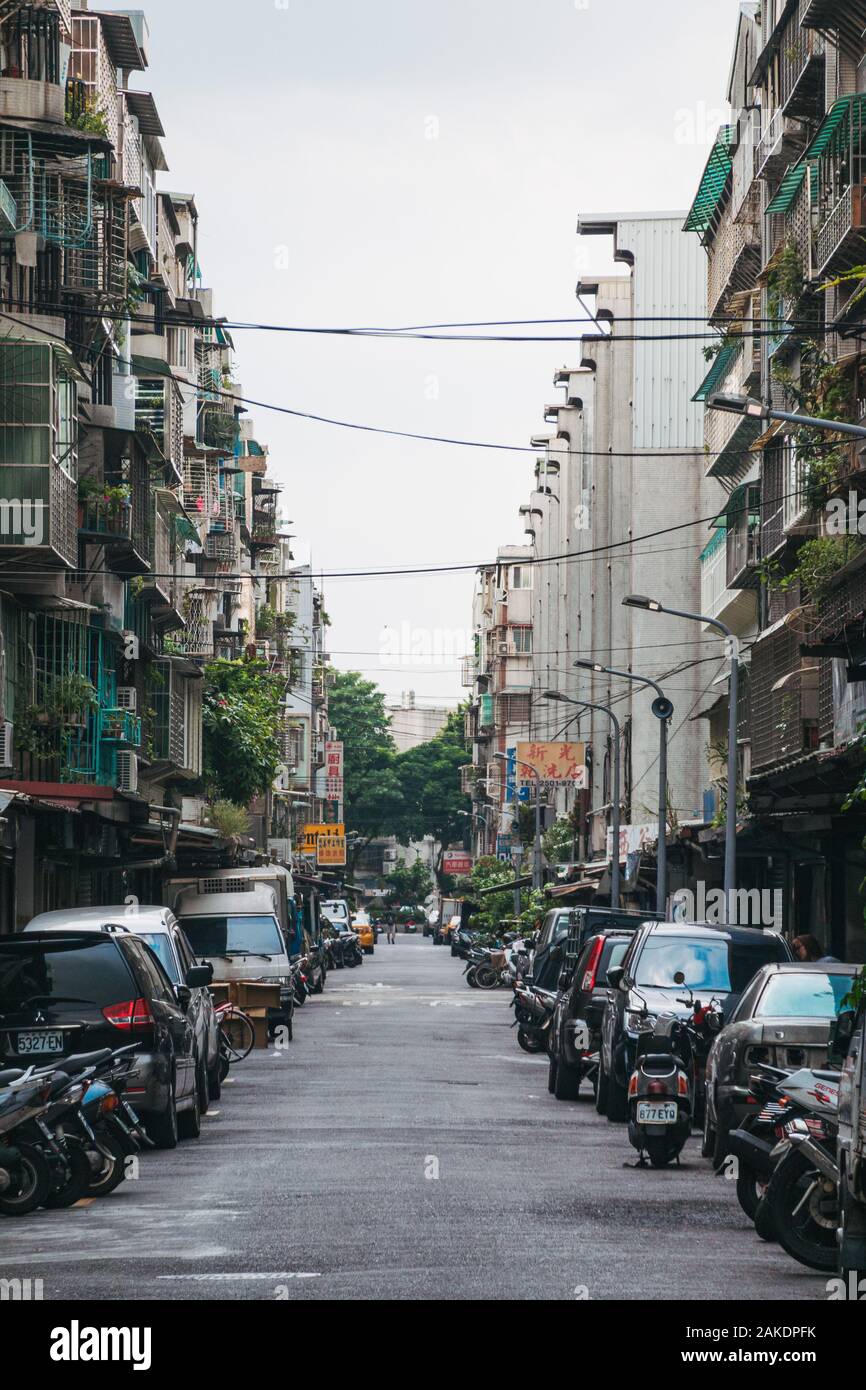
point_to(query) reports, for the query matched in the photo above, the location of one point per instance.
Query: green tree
(372, 795)
(241, 713)
(409, 886)
(433, 802)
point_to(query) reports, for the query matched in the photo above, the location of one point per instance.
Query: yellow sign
(314, 834)
(331, 851)
(553, 762)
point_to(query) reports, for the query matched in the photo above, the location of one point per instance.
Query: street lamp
(663, 710)
(536, 860)
(476, 815)
(587, 704)
(732, 648)
(759, 410)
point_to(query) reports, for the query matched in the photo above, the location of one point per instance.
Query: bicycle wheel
(237, 1035)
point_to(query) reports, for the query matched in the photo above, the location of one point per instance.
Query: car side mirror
(184, 996)
(199, 976)
(615, 976)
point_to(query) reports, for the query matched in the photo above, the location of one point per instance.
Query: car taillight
(135, 1013)
(592, 965)
(683, 1084)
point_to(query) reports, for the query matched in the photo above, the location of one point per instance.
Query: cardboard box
(259, 1020)
(256, 994)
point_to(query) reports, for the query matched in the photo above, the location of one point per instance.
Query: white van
(337, 912)
(239, 935)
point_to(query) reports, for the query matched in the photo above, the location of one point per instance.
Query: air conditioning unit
(6, 740)
(127, 698)
(502, 648)
(127, 771)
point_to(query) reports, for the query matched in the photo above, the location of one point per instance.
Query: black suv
(714, 962)
(68, 993)
(575, 1030)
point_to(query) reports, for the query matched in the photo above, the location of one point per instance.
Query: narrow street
(309, 1179)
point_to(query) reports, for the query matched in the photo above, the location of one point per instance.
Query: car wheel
(162, 1128)
(708, 1144)
(202, 1087)
(617, 1101)
(601, 1088)
(214, 1080)
(567, 1083)
(551, 1075)
(189, 1121)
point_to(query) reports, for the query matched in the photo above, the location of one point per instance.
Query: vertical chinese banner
(334, 776)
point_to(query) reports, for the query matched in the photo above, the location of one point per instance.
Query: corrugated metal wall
(670, 278)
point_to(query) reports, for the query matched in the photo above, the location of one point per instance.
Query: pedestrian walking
(392, 928)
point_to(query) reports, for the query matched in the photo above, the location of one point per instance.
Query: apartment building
(139, 526)
(499, 676)
(781, 211)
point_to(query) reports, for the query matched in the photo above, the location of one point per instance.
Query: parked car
(785, 1018)
(850, 1042)
(363, 929)
(73, 992)
(666, 966)
(581, 1000)
(160, 929)
(337, 912)
(239, 935)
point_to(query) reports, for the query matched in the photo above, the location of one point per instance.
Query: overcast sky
(398, 162)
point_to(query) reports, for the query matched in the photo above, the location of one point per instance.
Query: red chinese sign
(552, 762)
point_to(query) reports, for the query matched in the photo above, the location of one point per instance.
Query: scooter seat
(84, 1060)
(659, 1059)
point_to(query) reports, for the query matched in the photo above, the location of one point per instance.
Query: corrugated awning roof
(713, 183)
(143, 107)
(121, 41)
(833, 121)
(771, 47)
(150, 366)
(790, 187)
(725, 358)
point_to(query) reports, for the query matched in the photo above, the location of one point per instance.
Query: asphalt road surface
(404, 1147)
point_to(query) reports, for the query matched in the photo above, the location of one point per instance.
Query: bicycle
(237, 1036)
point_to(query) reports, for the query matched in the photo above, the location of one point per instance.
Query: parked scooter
(802, 1197)
(665, 1085)
(533, 1015)
(25, 1177)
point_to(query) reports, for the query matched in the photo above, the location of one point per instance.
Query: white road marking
(203, 1278)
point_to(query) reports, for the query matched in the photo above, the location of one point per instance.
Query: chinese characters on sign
(331, 851)
(334, 775)
(456, 862)
(553, 762)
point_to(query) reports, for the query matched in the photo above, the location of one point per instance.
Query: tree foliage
(431, 794)
(241, 713)
(409, 884)
(372, 796)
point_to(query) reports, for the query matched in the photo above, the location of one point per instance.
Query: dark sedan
(575, 1032)
(784, 1018)
(666, 967)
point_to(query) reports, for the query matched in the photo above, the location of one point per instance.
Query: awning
(833, 121)
(143, 107)
(725, 359)
(121, 41)
(150, 366)
(509, 886)
(791, 185)
(771, 47)
(713, 183)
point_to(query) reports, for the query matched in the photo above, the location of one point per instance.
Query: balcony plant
(67, 703)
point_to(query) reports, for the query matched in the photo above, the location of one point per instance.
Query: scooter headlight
(637, 1022)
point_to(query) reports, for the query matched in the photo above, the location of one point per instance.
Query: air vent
(225, 885)
(6, 741)
(127, 772)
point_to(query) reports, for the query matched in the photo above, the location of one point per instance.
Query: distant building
(413, 724)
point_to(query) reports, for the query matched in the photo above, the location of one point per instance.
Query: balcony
(719, 599)
(744, 537)
(734, 262)
(803, 64)
(839, 236)
(784, 700)
(729, 437)
(781, 143)
(846, 17)
(119, 727)
(30, 79)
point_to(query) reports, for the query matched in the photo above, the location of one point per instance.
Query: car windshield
(811, 994)
(338, 912)
(85, 973)
(227, 936)
(161, 946)
(703, 962)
